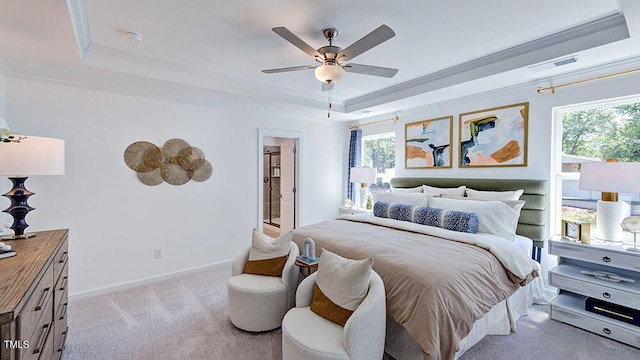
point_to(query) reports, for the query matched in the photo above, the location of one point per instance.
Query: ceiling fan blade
(296, 41)
(327, 87)
(292, 68)
(370, 70)
(367, 42)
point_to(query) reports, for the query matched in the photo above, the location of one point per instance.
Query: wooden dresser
(33, 297)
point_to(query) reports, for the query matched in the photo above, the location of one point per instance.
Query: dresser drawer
(596, 325)
(34, 309)
(60, 335)
(60, 260)
(40, 342)
(569, 278)
(60, 292)
(597, 255)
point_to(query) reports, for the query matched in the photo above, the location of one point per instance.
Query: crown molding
(595, 33)
(528, 86)
(80, 22)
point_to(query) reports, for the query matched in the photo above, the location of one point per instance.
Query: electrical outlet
(158, 253)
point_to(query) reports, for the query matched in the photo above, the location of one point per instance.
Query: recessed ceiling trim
(80, 22)
(5, 68)
(595, 33)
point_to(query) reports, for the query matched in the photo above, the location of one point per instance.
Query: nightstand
(306, 269)
(354, 211)
(575, 287)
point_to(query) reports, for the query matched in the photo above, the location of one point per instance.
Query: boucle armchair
(259, 302)
(306, 335)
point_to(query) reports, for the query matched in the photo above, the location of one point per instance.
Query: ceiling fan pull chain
(330, 105)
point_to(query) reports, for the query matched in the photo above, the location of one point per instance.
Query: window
(604, 130)
(379, 152)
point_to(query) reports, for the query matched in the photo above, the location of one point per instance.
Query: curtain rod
(395, 119)
(553, 88)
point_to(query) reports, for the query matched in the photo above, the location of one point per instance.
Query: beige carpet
(187, 318)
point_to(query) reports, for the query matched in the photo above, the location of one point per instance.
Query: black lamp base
(19, 208)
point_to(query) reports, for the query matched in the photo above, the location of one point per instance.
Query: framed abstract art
(495, 137)
(428, 143)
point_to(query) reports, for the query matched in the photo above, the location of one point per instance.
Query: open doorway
(278, 190)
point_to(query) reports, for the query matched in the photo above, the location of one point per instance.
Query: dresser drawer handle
(64, 283)
(606, 295)
(43, 337)
(606, 259)
(63, 341)
(606, 331)
(45, 294)
(64, 258)
(64, 312)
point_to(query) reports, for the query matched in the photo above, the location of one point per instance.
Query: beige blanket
(435, 287)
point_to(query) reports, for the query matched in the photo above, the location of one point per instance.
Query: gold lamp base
(17, 237)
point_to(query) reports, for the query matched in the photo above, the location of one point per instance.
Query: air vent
(554, 63)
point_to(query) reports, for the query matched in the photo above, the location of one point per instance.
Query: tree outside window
(379, 152)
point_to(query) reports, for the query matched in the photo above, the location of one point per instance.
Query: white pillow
(494, 195)
(459, 191)
(264, 247)
(407, 190)
(494, 217)
(409, 198)
(344, 281)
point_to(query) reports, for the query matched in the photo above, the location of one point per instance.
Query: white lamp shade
(362, 175)
(329, 73)
(620, 177)
(32, 155)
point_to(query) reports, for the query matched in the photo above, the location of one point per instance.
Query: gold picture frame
(495, 137)
(428, 144)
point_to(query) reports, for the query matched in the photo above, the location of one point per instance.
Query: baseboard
(143, 281)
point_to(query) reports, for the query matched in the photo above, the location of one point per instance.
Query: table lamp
(364, 176)
(610, 177)
(22, 155)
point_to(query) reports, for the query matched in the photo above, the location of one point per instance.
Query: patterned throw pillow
(268, 256)
(341, 285)
(447, 219)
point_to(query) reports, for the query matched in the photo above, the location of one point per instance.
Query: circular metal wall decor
(176, 162)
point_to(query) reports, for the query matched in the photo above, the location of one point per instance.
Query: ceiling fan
(331, 58)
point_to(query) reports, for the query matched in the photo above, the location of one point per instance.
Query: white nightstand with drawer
(575, 286)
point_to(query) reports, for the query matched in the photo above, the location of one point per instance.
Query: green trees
(603, 133)
(380, 153)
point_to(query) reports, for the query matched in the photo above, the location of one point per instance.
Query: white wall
(116, 222)
(4, 183)
(540, 128)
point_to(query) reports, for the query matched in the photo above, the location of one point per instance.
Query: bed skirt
(500, 320)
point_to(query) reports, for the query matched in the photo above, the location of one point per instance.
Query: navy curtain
(355, 157)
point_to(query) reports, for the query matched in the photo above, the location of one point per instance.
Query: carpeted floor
(186, 318)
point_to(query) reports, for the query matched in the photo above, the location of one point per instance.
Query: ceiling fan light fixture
(329, 73)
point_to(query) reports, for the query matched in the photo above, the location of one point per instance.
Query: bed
(443, 296)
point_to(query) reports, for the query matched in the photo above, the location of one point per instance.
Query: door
(287, 184)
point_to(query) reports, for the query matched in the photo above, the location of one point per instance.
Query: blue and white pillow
(447, 219)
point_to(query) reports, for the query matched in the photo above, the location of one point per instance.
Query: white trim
(148, 280)
(5, 68)
(80, 22)
(297, 135)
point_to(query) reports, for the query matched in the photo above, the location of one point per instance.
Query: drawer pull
(606, 259)
(64, 283)
(64, 312)
(606, 295)
(45, 295)
(43, 337)
(63, 341)
(64, 257)
(606, 331)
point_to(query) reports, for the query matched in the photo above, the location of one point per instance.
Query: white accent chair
(259, 302)
(308, 336)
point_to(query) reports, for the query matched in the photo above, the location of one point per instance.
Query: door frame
(298, 198)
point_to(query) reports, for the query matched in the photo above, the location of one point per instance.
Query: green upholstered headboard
(533, 215)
